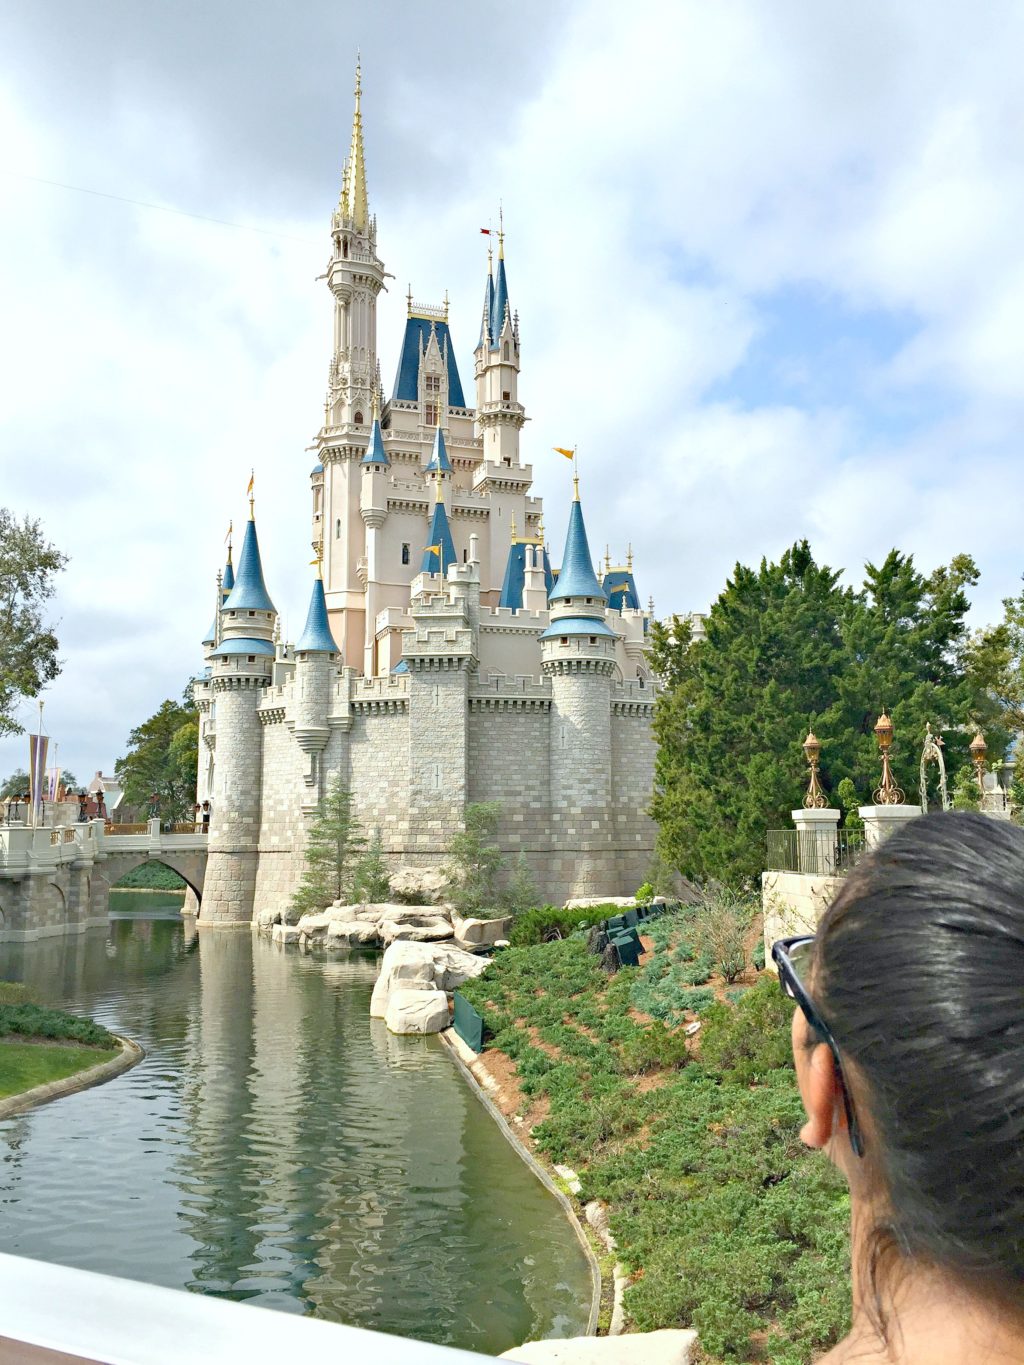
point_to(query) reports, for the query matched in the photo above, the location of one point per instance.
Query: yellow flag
(252, 484)
(435, 548)
(230, 528)
(561, 450)
(623, 587)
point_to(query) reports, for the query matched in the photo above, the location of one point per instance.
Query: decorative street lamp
(978, 749)
(888, 794)
(815, 798)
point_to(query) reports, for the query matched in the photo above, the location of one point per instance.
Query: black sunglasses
(792, 956)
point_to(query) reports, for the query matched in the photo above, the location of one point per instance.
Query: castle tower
(500, 416)
(240, 671)
(316, 659)
(355, 276)
(373, 508)
(578, 656)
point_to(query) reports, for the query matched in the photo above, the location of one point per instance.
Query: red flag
(486, 231)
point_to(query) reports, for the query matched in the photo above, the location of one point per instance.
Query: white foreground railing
(51, 1315)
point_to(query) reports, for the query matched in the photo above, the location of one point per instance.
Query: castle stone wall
(282, 834)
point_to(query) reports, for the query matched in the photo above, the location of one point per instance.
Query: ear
(822, 1101)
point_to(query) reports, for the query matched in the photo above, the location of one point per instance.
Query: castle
(443, 660)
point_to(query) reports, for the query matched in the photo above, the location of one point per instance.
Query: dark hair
(919, 970)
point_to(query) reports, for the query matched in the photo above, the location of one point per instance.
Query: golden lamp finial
(815, 798)
(607, 558)
(438, 485)
(319, 561)
(231, 529)
(513, 528)
(887, 793)
(501, 232)
(629, 558)
(408, 299)
(446, 305)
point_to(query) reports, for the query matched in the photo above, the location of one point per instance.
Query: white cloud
(666, 170)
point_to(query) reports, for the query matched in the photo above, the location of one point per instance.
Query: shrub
(721, 925)
(35, 1021)
(747, 1041)
(476, 860)
(966, 795)
(521, 891)
(371, 880)
(552, 922)
(151, 876)
(849, 802)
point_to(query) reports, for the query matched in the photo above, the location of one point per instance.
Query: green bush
(747, 1041)
(13, 993)
(35, 1021)
(552, 922)
(150, 877)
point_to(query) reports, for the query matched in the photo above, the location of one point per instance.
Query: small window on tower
(337, 529)
(465, 556)
(506, 394)
(432, 383)
(506, 350)
(252, 613)
(430, 414)
(405, 552)
(359, 419)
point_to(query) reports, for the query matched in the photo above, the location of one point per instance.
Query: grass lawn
(724, 1220)
(25, 1065)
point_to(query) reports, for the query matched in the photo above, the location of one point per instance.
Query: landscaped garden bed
(40, 1045)
(724, 1221)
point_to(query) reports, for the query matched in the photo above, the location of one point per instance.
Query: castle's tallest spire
(354, 203)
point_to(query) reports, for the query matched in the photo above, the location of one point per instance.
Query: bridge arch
(190, 866)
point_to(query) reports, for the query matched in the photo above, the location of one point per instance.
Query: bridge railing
(103, 1318)
(24, 849)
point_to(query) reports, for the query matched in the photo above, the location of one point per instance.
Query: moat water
(277, 1145)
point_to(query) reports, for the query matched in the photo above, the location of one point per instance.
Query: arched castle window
(344, 248)
(337, 529)
(506, 350)
(359, 419)
(405, 552)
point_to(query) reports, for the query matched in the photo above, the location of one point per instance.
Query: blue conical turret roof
(439, 455)
(210, 637)
(440, 534)
(620, 585)
(375, 452)
(499, 303)
(576, 577)
(316, 638)
(515, 577)
(249, 591)
(228, 581)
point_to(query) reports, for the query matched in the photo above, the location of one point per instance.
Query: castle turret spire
(316, 637)
(250, 591)
(440, 549)
(354, 203)
(576, 578)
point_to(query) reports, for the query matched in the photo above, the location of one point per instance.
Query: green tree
(162, 758)
(371, 880)
(788, 646)
(28, 647)
(333, 848)
(16, 784)
(520, 891)
(475, 859)
(849, 803)
(966, 795)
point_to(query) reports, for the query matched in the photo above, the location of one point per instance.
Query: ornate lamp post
(815, 798)
(888, 794)
(978, 749)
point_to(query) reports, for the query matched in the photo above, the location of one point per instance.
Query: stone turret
(316, 660)
(578, 657)
(241, 667)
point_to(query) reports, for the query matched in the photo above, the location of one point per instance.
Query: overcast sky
(767, 257)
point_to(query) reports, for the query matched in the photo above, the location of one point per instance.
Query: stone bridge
(55, 881)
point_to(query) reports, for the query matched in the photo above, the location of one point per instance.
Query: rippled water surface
(278, 1145)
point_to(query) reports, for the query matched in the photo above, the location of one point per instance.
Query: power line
(159, 208)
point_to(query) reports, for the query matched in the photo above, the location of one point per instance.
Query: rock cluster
(411, 992)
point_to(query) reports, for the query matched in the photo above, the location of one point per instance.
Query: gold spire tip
(250, 494)
(575, 488)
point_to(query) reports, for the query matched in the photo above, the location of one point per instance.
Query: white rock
(670, 1346)
(596, 1215)
(286, 933)
(417, 1011)
(421, 966)
(415, 928)
(588, 902)
(351, 931)
(481, 933)
(422, 885)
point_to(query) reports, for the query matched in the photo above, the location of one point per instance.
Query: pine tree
(476, 860)
(371, 880)
(332, 848)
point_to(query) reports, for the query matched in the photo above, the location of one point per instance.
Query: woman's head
(919, 972)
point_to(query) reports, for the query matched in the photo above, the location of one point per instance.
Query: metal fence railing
(820, 852)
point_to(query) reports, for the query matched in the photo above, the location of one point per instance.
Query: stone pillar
(313, 675)
(881, 821)
(816, 844)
